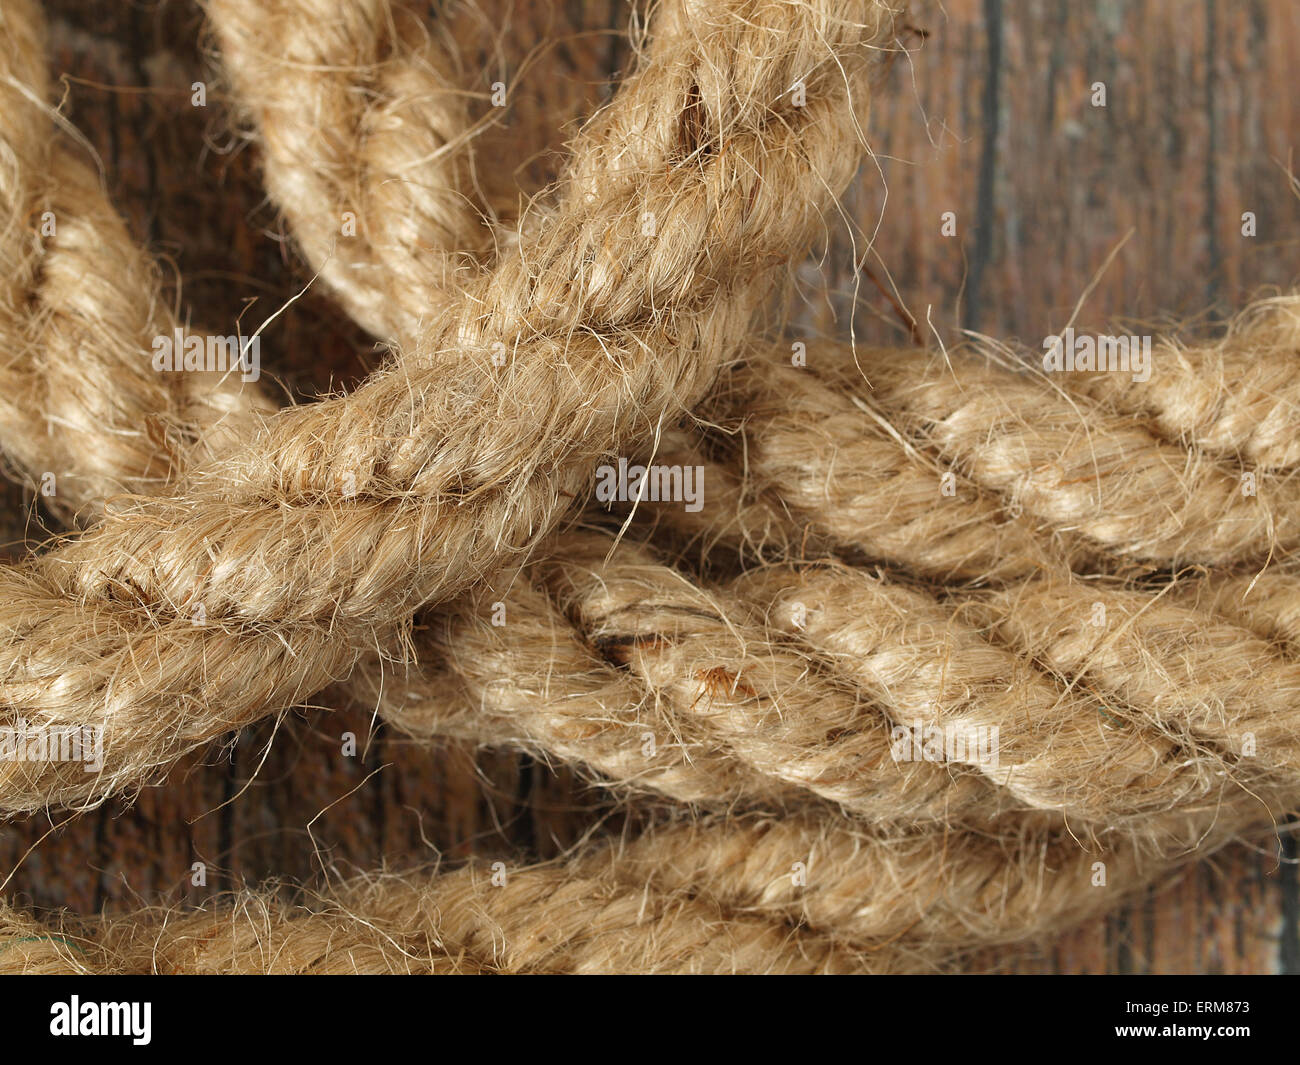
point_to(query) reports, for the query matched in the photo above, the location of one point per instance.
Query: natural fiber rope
(382, 175)
(79, 307)
(820, 397)
(795, 676)
(527, 648)
(1222, 396)
(1239, 396)
(1065, 611)
(356, 114)
(439, 502)
(530, 693)
(766, 389)
(1083, 600)
(419, 66)
(707, 894)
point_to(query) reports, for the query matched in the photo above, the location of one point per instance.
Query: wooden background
(989, 118)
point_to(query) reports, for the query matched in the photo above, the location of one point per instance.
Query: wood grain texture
(1198, 127)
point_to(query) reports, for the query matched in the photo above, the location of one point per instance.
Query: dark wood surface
(1199, 126)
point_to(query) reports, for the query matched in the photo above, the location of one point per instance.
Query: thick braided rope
(794, 679)
(783, 493)
(875, 787)
(359, 122)
(656, 683)
(1265, 602)
(397, 128)
(332, 76)
(717, 780)
(1239, 395)
(910, 527)
(362, 113)
(80, 306)
(799, 893)
(805, 465)
(1233, 396)
(542, 920)
(1261, 342)
(904, 632)
(1177, 667)
(957, 467)
(1077, 466)
(1169, 693)
(788, 680)
(265, 541)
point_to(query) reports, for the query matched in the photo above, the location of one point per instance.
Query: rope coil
(899, 541)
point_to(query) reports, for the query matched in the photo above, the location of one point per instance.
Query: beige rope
(433, 501)
(781, 684)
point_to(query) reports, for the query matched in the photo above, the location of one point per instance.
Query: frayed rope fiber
(838, 600)
(450, 470)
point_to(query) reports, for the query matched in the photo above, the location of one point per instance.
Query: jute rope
(908, 624)
(802, 893)
(1121, 739)
(80, 305)
(357, 115)
(540, 704)
(448, 471)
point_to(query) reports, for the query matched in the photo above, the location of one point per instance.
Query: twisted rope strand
(1230, 396)
(438, 502)
(549, 919)
(803, 893)
(1175, 666)
(1238, 396)
(380, 145)
(80, 308)
(1075, 466)
(796, 676)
